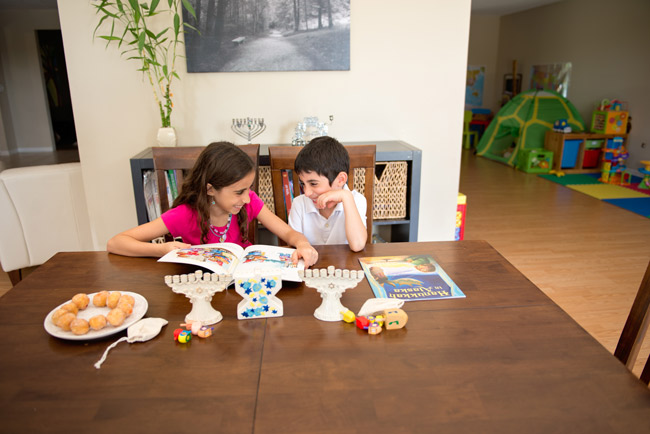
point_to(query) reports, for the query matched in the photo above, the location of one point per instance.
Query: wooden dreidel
(395, 319)
(258, 290)
(331, 284)
(205, 332)
(374, 328)
(200, 288)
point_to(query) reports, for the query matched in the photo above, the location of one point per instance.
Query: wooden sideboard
(393, 230)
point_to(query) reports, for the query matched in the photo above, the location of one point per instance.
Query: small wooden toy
(258, 290)
(395, 319)
(200, 288)
(331, 283)
(374, 328)
(205, 332)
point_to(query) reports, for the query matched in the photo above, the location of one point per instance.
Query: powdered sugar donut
(97, 322)
(116, 317)
(65, 320)
(81, 300)
(113, 299)
(100, 298)
(79, 326)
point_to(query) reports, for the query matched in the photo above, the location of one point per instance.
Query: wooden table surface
(504, 359)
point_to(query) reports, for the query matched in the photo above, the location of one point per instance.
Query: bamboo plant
(145, 40)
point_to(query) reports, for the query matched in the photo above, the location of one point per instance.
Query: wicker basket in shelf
(389, 195)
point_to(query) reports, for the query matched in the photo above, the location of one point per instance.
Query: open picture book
(229, 258)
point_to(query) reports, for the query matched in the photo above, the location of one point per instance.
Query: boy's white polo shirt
(305, 218)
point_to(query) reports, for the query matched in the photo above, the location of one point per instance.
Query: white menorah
(331, 283)
(200, 288)
(248, 128)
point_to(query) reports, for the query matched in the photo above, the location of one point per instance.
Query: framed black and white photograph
(268, 35)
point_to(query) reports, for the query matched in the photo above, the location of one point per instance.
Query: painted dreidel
(258, 290)
(200, 288)
(331, 284)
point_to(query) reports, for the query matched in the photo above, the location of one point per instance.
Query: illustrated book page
(229, 258)
(409, 278)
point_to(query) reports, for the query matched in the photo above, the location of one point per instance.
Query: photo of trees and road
(268, 35)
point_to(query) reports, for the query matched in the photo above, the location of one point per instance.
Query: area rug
(630, 197)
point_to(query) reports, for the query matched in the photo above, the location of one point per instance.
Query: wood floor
(587, 255)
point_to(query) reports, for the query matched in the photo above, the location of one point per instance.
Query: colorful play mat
(629, 197)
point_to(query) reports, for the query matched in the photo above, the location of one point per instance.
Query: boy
(328, 212)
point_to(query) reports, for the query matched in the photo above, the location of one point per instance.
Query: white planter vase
(166, 136)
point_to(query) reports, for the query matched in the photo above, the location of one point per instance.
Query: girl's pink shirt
(183, 222)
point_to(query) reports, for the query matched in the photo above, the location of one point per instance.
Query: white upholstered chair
(43, 211)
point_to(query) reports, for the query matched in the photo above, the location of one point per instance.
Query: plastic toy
(348, 316)
(258, 290)
(609, 118)
(182, 336)
(392, 319)
(613, 169)
(562, 126)
(331, 284)
(645, 182)
(197, 329)
(200, 288)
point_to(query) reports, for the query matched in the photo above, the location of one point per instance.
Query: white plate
(139, 309)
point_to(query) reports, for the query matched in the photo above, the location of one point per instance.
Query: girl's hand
(307, 253)
(173, 245)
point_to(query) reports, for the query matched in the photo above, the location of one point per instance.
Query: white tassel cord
(110, 347)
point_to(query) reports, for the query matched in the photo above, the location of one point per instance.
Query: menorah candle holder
(200, 288)
(258, 290)
(248, 128)
(331, 283)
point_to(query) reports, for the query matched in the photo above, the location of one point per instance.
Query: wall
(483, 44)
(23, 104)
(607, 44)
(407, 82)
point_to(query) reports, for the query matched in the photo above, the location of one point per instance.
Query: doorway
(55, 77)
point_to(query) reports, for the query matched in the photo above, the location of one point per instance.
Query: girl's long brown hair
(220, 164)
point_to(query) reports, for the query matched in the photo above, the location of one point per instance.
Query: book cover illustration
(409, 278)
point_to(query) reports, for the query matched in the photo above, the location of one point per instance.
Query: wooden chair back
(180, 160)
(635, 328)
(361, 157)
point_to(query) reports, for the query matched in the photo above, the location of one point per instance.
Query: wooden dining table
(504, 359)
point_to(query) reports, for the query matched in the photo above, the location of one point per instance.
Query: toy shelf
(556, 142)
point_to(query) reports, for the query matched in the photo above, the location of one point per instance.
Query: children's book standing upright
(408, 278)
(229, 258)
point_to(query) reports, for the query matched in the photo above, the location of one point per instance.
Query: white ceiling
(485, 7)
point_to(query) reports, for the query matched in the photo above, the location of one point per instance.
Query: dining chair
(467, 133)
(361, 176)
(177, 161)
(25, 240)
(635, 328)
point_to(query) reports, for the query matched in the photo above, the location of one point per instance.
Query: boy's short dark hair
(324, 155)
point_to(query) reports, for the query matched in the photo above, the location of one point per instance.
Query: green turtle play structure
(522, 124)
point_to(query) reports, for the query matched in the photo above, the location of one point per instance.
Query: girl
(215, 205)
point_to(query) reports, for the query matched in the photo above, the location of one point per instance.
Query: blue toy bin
(570, 154)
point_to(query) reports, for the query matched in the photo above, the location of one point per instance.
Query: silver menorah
(248, 128)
